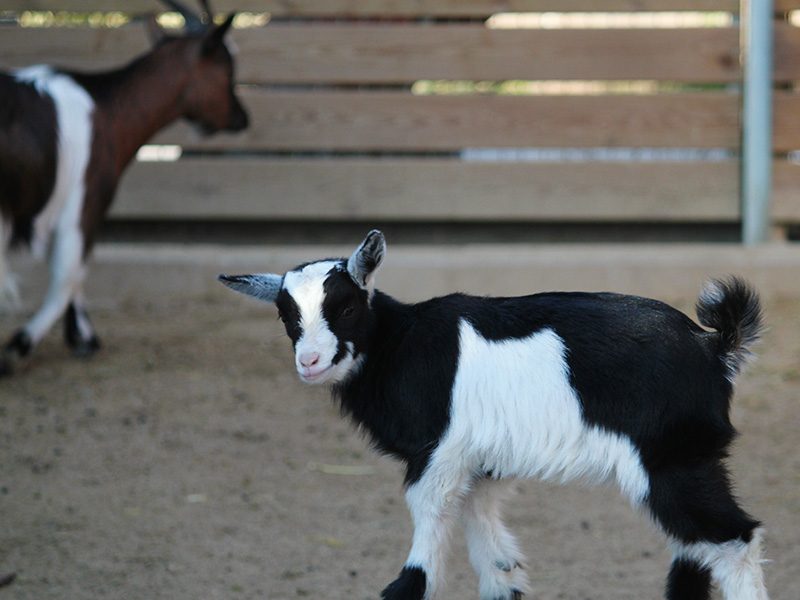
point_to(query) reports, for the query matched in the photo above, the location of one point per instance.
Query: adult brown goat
(65, 141)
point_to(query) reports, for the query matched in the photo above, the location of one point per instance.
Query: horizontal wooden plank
(435, 189)
(390, 8)
(786, 122)
(787, 52)
(786, 5)
(383, 53)
(786, 192)
(400, 121)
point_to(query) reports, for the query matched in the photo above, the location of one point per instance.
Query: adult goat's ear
(216, 37)
(367, 258)
(264, 286)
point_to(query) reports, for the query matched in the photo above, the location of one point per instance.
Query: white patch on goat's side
(515, 413)
(57, 228)
(735, 565)
(306, 287)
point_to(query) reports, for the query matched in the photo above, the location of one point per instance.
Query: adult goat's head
(209, 100)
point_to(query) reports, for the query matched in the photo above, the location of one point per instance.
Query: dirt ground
(186, 461)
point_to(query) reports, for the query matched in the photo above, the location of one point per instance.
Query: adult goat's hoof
(85, 348)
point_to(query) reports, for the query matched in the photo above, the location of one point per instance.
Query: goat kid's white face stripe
(307, 289)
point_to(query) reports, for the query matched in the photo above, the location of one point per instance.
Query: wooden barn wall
(342, 130)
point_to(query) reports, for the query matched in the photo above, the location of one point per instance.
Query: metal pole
(756, 167)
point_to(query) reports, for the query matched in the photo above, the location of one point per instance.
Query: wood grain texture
(402, 8)
(390, 53)
(786, 121)
(786, 192)
(786, 5)
(401, 121)
(787, 52)
(435, 189)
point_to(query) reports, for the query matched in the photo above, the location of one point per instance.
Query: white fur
(515, 413)
(735, 566)
(493, 551)
(435, 502)
(306, 288)
(57, 228)
(9, 292)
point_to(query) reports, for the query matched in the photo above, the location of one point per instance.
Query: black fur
(347, 313)
(737, 317)
(688, 581)
(640, 368)
(410, 585)
(19, 344)
(401, 395)
(289, 313)
(28, 154)
(72, 336)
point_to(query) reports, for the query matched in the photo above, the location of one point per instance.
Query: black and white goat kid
(473, 392)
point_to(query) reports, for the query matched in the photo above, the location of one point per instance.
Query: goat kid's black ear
(264, 286)
(367, 258)
(216, 36)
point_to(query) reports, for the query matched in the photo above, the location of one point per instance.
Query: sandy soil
(187, 462)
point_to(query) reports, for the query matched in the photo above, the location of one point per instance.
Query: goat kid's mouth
(314, 374)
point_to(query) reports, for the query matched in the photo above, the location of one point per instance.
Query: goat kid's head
(209, 100)
(325, 306)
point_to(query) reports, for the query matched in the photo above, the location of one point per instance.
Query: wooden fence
(351, 121)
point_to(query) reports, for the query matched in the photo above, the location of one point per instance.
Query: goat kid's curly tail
(732, 308)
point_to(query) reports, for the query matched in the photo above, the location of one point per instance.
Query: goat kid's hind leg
(493, 550)
(434, 502)
(79, 333)
(66, 275)
(713, 538)
(734, 565)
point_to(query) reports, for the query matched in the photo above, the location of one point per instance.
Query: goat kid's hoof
(410, 585)
(85, 348)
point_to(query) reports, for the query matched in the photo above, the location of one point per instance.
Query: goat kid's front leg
(434, 501)
(66, 275)
(493, 551)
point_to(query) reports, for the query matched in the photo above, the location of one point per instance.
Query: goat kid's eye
(347, 312)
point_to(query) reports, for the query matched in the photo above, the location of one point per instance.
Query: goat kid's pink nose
(309, 359)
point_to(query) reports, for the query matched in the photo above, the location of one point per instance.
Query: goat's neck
(139, 100)
(391, 319)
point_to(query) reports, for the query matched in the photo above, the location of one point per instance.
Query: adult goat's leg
(79, 333)
(66, 275)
